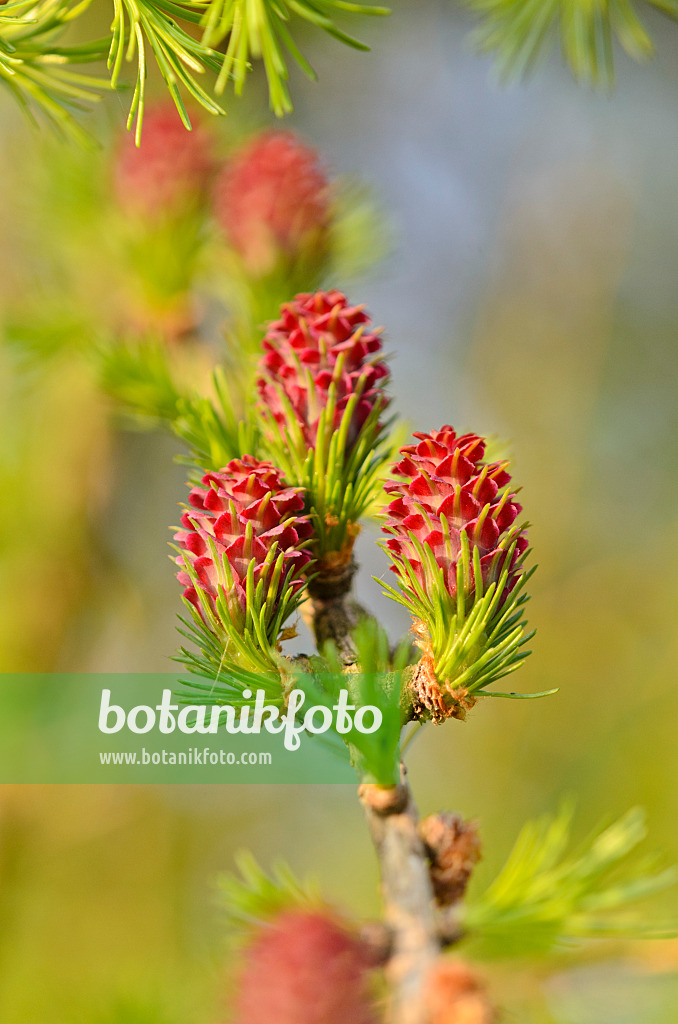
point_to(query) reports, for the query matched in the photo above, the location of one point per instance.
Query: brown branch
(333, 619)
(408, 897)
(331, 613)
(415, 864)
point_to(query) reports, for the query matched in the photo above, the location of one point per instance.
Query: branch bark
(331, 613)
(407, 892)
(333, 619)
(411, 916)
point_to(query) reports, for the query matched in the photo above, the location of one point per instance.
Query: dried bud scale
(453, 847)
(456, 995)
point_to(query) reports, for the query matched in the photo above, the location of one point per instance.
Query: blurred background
(528, 292)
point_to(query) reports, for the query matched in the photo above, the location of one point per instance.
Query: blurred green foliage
(548, 896)
(520, 32)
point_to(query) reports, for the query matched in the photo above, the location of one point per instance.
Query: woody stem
(392, 818)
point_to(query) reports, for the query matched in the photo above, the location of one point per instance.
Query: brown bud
(453, 847)
(377, 941)
(456, 995)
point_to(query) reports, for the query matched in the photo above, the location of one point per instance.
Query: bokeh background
(531, 294)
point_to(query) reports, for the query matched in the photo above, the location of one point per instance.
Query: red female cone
(168, 173)
(305, 968)
(273, 203)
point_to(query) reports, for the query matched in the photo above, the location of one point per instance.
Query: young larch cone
(446, 490)
(320, 347)
(243, 514)
(453, 535)
(168, 173)
(305, 967)
(273, 202)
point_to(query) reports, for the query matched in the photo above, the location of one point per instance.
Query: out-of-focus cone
(273, 203)
(305, 968)
(168, 172)
(455, 995)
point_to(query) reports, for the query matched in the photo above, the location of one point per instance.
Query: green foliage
(211, 429)
(260, 30)
(475, 642)
(544, 896)
(520, 32)
(138, 376)
(227, 680)
(377, 681)
(140, 26)
(220, 678)
(252, 898)
(37, 71)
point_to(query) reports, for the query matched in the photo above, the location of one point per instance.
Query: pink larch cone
(169, 172)
(445, 490)
(244, 512)
(305, 968)
(321, 342)
(273, 202)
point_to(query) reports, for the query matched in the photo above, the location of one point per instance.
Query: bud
(305, 967)
(168, 173)
(453, 847)
(455, 995)
(273, 203)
